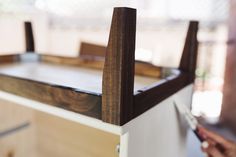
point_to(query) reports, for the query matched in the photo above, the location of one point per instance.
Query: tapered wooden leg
(29, 37)
(118, 73)
(189, 56)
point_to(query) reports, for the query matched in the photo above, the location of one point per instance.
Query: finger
(213, 136)
(201, 132)
(212, 151)
(204, 146)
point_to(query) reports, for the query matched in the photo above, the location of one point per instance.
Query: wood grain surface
(92, 51)
(63, 86)
(21, 143)
(67, 98)
(70, 139)
(118, 73)
(51, 136)
(152, 95)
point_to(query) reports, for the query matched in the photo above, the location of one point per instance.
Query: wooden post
(189, 57)
(228, 112)
(118, 73)
(29, 37)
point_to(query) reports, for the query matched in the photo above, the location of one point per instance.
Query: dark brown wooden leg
(189, 56)
(29, 37)
(118, 73)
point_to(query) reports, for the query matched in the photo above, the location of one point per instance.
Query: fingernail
(205, 144)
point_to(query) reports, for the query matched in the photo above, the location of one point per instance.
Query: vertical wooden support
(118, 73)
(189, 56)
(29, 37)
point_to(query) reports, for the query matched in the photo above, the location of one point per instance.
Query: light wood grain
(51, 136)
(71, 139)
(20, 143)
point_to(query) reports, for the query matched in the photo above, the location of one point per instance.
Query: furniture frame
(118, 103)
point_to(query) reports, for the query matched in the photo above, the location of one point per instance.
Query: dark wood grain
(118, 73)
(59, 96)
(92, 51)
(29, 37)
(149, 97)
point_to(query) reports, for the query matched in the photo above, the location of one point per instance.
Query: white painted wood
(124, 145)
(159, 132)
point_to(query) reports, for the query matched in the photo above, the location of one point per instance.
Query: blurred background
(61, 25)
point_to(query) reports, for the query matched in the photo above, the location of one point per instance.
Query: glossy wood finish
(118, 73)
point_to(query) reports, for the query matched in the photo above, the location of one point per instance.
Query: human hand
(217, 145)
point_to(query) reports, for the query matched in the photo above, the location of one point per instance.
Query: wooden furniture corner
(117, 103)
(118, 73)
